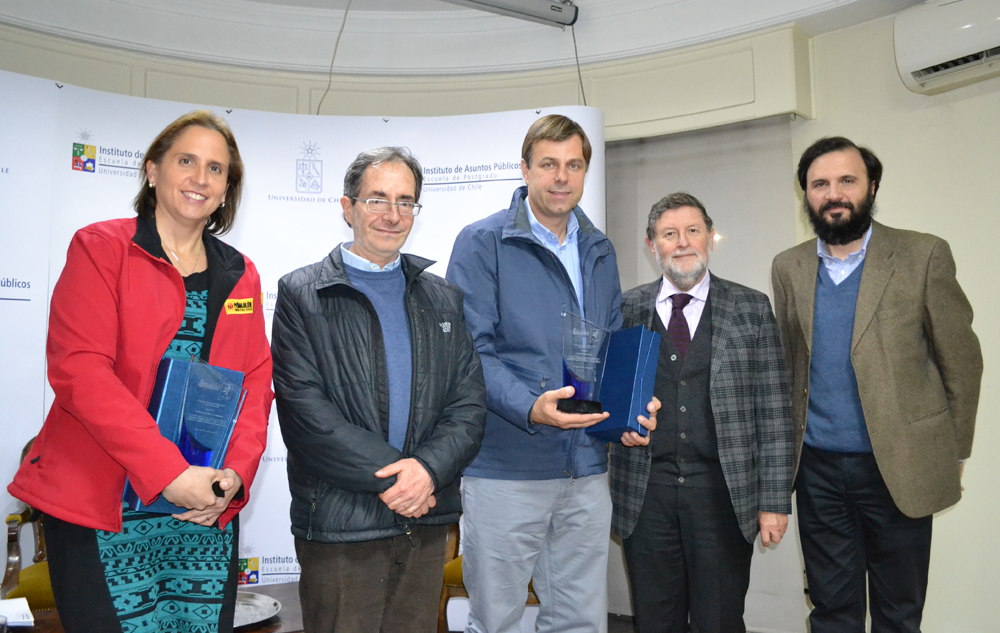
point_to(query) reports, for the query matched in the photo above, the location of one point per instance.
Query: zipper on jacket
(598, 259)
(572, 446)
(156, 363)
(309, 530)
(566, 277)
(408, 438)
(379, 369)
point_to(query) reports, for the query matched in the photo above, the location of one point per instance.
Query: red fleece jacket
(114, 312)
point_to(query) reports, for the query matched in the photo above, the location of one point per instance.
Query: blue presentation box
(627, 387)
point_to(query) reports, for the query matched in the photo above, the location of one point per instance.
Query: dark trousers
(389, 585)
(849, 527)
(77, 574)
(687, 557)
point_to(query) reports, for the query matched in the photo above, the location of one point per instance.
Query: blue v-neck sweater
(835, 421)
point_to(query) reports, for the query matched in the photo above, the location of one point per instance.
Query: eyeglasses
(377, 205)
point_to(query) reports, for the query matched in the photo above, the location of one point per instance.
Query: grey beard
(682, 280)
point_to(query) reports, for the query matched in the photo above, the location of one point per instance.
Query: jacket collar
(517, 226)
(226, 266)
(220, 255)
(334, 271)
(723, 315)
(647, 301)
(878, 268)
(148, 239)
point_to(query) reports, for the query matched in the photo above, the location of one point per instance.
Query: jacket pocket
(536, 381)
(932, 417)
(319, 490)
(897, 312)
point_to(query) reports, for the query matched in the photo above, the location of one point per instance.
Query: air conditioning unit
(549, 12)
(945, 44)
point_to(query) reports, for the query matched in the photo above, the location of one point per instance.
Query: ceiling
(417, 37)
(366, 5)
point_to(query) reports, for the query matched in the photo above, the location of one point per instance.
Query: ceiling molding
(449, 41)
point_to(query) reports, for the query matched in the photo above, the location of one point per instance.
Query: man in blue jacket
(536, 498)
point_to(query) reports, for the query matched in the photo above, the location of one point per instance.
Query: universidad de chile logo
(309, 170)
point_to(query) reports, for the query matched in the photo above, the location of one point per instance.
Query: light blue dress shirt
(568, 252)
(359, 262)
(841, 269)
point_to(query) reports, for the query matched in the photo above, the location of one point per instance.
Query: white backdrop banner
(70, 156)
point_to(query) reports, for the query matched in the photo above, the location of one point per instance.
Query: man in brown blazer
(885, 371)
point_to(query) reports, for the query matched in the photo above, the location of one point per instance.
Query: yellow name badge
(239, 306)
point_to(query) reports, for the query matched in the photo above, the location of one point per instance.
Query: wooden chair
(32, 582)
(454, 587)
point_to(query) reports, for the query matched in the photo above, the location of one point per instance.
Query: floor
(624, 624)
(458, 614)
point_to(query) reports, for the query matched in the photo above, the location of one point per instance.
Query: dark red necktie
(678, 326)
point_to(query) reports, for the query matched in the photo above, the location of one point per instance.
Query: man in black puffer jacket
(381, 401)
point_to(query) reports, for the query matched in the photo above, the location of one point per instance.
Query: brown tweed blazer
(917, 360)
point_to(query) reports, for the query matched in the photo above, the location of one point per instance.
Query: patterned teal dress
(165, 574)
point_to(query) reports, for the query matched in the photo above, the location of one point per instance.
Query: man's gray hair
(671, 202)
(377, 156)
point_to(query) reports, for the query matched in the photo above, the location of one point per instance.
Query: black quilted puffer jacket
(332, 397)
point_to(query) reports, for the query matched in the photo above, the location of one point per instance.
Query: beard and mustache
(683, 280)
(843, 230)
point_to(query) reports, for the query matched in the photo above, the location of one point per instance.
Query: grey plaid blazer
(750, 403)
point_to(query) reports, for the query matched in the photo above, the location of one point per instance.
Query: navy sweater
(385, 290)
(835, 421)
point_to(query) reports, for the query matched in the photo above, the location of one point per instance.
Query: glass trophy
(212, 401)
(196, 406)
(585, 349)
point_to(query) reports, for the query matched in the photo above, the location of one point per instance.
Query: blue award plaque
(629, 378)
(196, 406)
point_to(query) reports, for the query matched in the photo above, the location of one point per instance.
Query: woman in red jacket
(132, 292)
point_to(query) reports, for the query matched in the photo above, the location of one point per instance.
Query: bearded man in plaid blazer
(718, 470)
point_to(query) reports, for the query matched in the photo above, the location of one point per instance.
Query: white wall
(942, 175)
(739, 172)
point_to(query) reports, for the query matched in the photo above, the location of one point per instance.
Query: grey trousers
(386, 586)
(554, 532)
